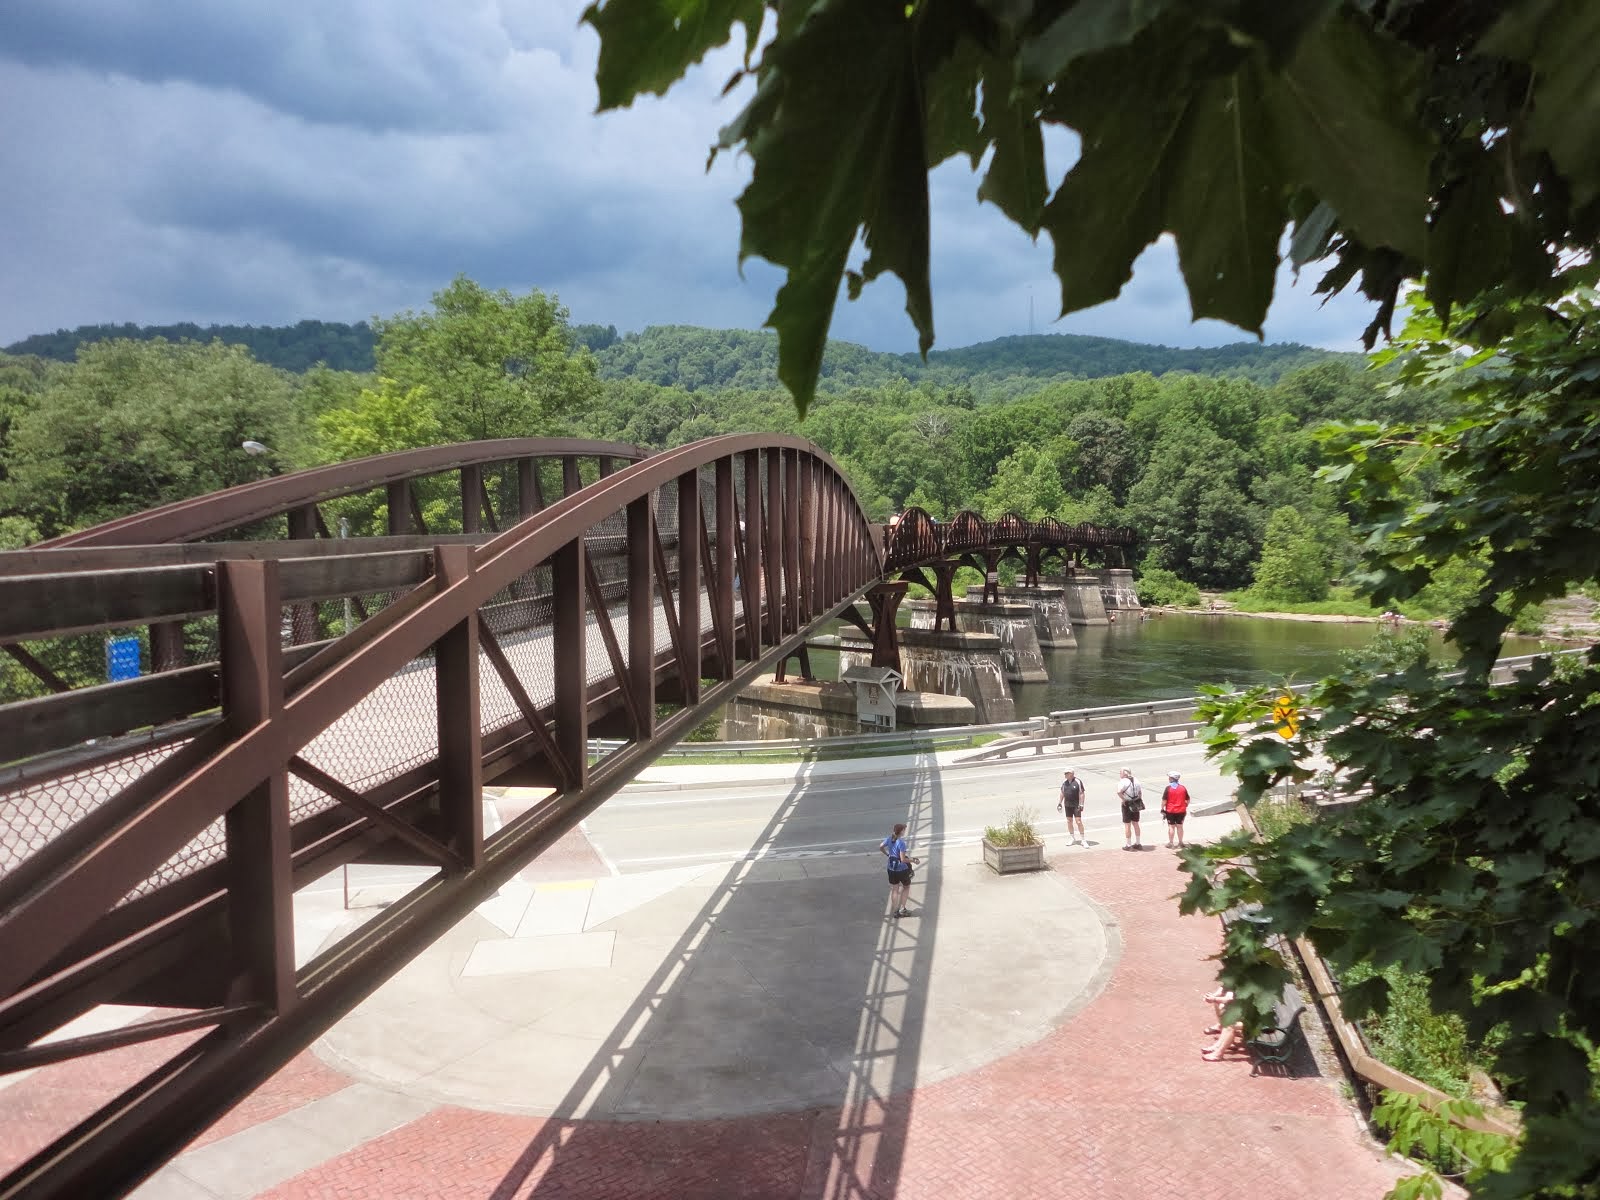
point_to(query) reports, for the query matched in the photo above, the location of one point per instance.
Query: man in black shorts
(1071, 803)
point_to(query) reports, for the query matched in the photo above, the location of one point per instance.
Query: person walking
(1132, 797)
(1174, 807)
(1071, 803)
(893, 848)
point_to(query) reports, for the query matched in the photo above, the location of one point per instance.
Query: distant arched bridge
(315, 701)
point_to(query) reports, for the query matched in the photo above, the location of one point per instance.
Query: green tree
(1470, 855)
(496, 365)
(1447, 137)
(137, 424)
(1293, 568)
(380, 421)
(1028, 483)
(1191, 510)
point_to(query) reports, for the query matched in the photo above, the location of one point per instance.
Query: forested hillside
(697, 359)
(297, 347)
(1216, 470)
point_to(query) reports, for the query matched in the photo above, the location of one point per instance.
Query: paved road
(670, 819)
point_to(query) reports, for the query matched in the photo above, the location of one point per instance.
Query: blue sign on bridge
(122, 659)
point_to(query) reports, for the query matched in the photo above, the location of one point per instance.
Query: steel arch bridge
(317, 701)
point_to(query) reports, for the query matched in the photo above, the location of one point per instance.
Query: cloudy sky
(255, 162)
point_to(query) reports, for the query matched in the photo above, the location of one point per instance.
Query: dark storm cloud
(263, 163)
(377, 65)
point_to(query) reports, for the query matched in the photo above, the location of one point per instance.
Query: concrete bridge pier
(1052, 623)
(1010, 623)
(1085, 603)
(772, 708)
(954, 663)
(1117, 591)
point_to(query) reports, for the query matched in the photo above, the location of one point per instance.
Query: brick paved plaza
(1112, 1102)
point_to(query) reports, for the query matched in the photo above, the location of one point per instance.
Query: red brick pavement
(53, 1099)
(1116, 1104)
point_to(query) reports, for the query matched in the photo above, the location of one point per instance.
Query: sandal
(1212, 1029)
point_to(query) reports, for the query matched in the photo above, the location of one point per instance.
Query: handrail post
(791, 541)
(641, 679)
(471, 498)
(259, 870)
(569, 637)
(688, 586)
(530, 497)
(455, 658)
(806, 509)
(397, 496)
(772, 522)
(303, 618)
(727, 531)
(750, 586)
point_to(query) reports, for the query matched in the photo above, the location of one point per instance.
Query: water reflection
(1171, 654)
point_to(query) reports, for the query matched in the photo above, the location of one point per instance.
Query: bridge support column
(991, 576)
(1052, 622)
(884, 599)
(780, 673)
(1117, 591)
(1085, 605)
(1030, 577)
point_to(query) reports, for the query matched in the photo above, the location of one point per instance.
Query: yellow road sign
(1286, 712)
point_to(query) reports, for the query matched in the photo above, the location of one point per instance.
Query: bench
(1276, 1042)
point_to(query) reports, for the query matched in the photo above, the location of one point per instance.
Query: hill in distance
(296, 348)
(697, 359)
(704, 359)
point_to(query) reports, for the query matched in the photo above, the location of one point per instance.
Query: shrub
(1159, 586)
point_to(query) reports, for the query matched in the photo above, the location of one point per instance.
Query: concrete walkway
(763, 1029)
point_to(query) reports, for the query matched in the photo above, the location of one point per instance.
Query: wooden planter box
(1005, 860)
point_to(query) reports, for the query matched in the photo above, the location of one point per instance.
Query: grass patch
(1017, 831)
(1276, 815)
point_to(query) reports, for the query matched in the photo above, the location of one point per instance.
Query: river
(1171, 654)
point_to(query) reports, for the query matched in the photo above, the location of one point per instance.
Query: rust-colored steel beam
(202, 516)
(691, 529)
(260, 885)
(65, 941)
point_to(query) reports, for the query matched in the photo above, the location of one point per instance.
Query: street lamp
(253, 448)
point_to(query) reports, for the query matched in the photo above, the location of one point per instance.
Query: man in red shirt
(1174, 807)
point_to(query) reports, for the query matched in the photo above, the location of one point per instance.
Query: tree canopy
(1455, 143)
(1451, 139)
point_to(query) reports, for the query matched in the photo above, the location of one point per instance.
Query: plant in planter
(1014, 846)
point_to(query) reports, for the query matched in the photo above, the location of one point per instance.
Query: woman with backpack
(1132, 797)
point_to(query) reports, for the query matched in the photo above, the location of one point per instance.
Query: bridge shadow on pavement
(773, 1049)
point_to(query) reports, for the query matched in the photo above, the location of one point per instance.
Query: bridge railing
(158, 865)
(914, 537)
(467, 492)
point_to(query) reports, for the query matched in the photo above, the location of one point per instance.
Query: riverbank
(1574, 620)
(1222, 609)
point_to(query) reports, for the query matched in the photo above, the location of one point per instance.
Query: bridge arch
(153, 831)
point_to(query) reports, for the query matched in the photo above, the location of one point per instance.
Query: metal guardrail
(1150, 733)
(947, 733)
(1058, 727)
